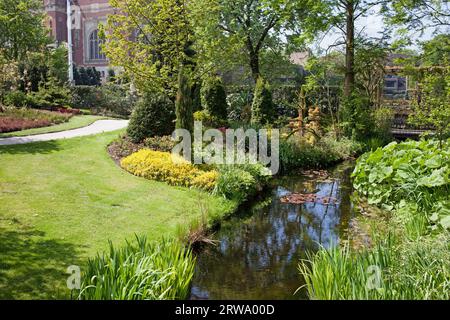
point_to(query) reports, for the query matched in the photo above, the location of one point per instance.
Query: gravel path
(98, 126)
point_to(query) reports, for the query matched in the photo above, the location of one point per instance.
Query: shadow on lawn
(42, 147)
(32, 267)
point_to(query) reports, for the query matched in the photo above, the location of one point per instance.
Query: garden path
(95, 128)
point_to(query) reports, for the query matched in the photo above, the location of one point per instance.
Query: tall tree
(21, 27)
(344, 15)
(148, 39)
(234, 29)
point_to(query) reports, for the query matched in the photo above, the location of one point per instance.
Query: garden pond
(257, 251)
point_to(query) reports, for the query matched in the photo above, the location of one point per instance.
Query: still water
(258, 250)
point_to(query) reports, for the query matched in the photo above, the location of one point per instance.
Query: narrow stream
(259, 249)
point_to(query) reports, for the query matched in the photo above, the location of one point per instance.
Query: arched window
(95, 51)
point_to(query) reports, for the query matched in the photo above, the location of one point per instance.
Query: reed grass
(142, 271)
(417, 269)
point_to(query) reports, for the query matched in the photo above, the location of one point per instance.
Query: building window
(95, 51)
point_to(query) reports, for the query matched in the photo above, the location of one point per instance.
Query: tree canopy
(21, 27)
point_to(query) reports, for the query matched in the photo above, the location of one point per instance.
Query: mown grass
(73, 123)
(60, 203)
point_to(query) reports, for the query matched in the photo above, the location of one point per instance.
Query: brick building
(86, 16)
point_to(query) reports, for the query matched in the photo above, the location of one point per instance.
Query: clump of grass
(410, 270)
(142, 271)
(196, 232)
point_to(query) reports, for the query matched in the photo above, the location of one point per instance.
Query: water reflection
(258, 253)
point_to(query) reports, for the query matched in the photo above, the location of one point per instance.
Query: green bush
(160, 143)
(297, 153)
(262, 106)
(49, 96)
(17, 99)
(152, 116)
(383, 118)
(214, 98)
(109, 99)
(240, 106)
(235, 183)
(141, 271)
(208, 120)
(356, 119)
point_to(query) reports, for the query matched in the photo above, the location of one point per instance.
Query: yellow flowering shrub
(206, 181)
(160, 166)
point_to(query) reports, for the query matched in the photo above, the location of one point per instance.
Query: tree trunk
(349, 49)
(254, 65)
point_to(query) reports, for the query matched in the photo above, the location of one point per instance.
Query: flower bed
(21, 119)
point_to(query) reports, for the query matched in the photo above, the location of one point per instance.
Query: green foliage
(111, 75)
(16, 99)
(143, 271)
(356, 120)
(152, 116)
(240, 106)
(240, 182)
(50, 95)
(183, 103)
(412, 172)
(383, 118)
(433, 109)
(158, 29)
(262, 106)
(108, 99)
(160, 143)
(214, 98)
(208, 120)
(252, 34)
(297, 153)
(416, 15)
(412, 270)
(58, 65)
(235, 183)
(86, 76)
(21, 28)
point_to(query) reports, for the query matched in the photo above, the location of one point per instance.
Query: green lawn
(61, 201)
(73, 123)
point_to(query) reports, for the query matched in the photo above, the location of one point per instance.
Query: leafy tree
(370, 60)
(21, 28)
(342, 16)
(214, 97)
(432, 110)
(417, 15)
(9, 77)
(230, 32)
(58, 65)
(149, 39)
(262, 106)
